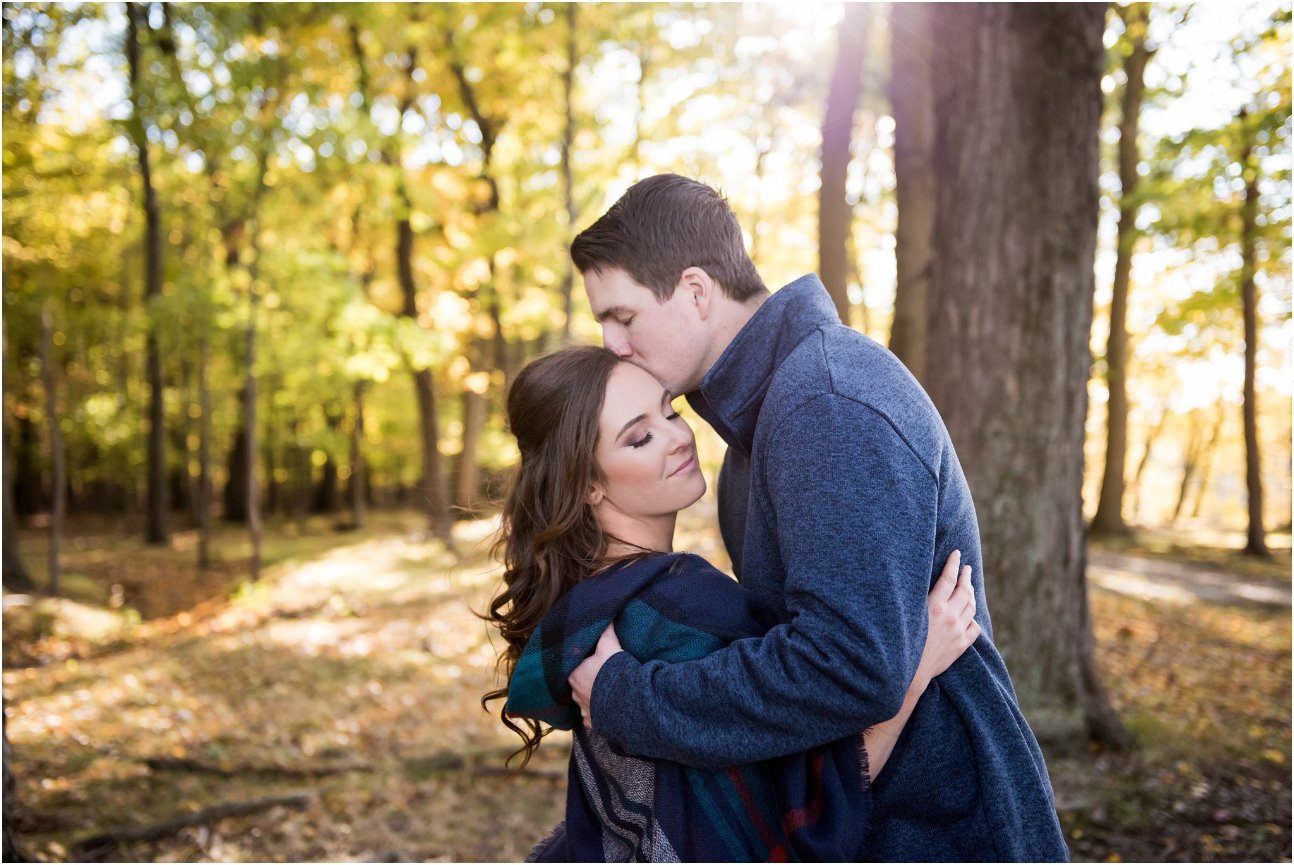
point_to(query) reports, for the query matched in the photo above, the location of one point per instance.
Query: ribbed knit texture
(854, 500)
(812, 806)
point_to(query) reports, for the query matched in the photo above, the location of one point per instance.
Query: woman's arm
(952, 629)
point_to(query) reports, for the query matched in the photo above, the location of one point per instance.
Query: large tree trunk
(1017, 103)
(1256, 542)
(912, 104)
(158, 531)
(52, 418)
(1109, 510)
(837, 132)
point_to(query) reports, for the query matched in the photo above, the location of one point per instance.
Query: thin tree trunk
(912, 104)
(1206, 460)
(1190, 460)
(1108, 520)
(467, 474)
(13, 852)
(640, 93)
(1151, 436)
(59, 482)
(158, 531)
(568, 183)
(1017, 106)
(432, 483)
(358, 472)
(16, 577)
(249, 415)
(837, 132)
(204, 454)
(494, 354)
(1256, 542)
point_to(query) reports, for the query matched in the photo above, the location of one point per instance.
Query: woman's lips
(687, 466)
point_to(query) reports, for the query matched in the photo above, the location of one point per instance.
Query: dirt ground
(333, 711)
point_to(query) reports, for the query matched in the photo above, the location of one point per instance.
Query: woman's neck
(633, 534)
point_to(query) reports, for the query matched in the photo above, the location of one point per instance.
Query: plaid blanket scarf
(813, 806)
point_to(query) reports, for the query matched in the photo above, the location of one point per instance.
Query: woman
(587, 538)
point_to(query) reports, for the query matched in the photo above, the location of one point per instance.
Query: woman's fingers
(947, 582)
(963, 601)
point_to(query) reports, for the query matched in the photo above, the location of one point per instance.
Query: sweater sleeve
(855, 516)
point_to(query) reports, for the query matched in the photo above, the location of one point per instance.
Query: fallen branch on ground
(104, 842)
(184, 764)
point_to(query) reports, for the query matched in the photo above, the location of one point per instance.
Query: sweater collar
(732, 392)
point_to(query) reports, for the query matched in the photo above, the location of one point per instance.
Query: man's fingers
(947, 582)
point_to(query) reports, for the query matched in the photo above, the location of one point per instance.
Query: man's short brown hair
(660, 227)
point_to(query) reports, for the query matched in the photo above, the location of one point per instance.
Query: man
(853, 500)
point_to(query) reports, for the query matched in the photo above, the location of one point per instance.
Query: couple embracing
(844, 701)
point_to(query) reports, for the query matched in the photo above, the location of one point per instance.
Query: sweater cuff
(607, 700)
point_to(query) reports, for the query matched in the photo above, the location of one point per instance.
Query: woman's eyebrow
(625, 428)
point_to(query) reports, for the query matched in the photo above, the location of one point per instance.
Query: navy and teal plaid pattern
(671, 608)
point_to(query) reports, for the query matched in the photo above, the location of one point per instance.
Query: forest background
(269, 269)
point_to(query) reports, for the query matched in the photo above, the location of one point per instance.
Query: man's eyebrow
(665, 398)
(626, 426)
(610, 312)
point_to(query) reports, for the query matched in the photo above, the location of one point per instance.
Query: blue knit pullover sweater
(855, 499)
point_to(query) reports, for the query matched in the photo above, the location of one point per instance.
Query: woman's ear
(595, 495)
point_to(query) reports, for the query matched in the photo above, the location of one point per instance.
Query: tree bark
(158, 531)
(837, 132)
(59, 481)
(1108, 520)
(912, 105)
(1256, 541)
(1017, 102)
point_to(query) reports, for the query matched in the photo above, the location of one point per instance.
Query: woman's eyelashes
(647, 437)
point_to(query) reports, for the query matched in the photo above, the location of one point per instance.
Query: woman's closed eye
(642, 441)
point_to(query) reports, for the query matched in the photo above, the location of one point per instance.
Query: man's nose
(616, 342)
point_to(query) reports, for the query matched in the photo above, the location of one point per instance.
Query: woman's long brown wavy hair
(549, 539)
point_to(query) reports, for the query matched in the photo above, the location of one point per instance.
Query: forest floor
(332, 711)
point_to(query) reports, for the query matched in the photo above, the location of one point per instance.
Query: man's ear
(701, 288)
